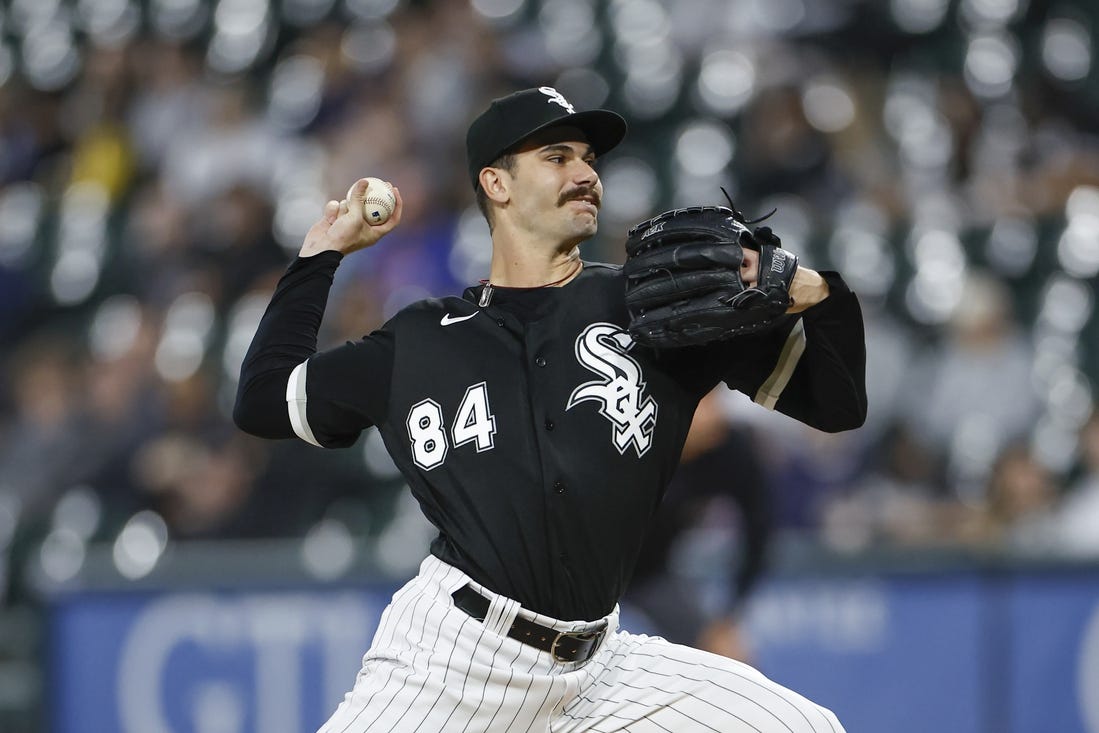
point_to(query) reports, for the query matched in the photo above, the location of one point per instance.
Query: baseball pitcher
(537, 419)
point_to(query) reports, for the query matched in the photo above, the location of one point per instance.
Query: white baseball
(379, 201)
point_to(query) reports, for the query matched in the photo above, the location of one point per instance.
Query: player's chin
(585, 224)
(581, 233)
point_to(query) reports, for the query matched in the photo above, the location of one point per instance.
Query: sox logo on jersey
(602, 348)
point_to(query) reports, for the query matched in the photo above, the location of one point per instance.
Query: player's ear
(495, 184)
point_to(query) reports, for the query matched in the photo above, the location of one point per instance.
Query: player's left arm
(812, 366)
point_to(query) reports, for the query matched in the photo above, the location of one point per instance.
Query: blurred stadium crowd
(160, 161)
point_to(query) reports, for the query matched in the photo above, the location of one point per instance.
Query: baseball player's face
(555, 190)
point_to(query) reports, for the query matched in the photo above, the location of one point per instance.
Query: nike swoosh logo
(449, 319)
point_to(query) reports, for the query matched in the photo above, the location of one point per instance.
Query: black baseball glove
(683, 278)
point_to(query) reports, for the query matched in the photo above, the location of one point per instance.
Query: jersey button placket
(540, 361)
(559, 487)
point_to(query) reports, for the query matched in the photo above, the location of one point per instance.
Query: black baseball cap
(510, 120)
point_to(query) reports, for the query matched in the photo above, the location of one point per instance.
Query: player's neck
(519, 267)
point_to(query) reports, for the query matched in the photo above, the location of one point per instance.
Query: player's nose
(584, 173)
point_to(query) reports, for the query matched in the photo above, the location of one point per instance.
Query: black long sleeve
(286, 336)
(826, 349)
(828, 389)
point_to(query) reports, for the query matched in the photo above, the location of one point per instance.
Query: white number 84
(474, 423)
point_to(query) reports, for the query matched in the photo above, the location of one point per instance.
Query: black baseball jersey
(536, 436)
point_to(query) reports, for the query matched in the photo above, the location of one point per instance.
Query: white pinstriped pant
(433, 668)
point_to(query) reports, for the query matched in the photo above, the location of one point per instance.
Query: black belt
(564, 646)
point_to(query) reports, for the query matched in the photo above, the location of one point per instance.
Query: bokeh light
(571, 35)
(296, 87)
(704, 147)
(369, 47)
(990, 65)
(370, 9)
(828, 105)
(726, 80)
(498, 11)
(115, 327)
(179, 19)
(919, 16)
(1066, 49)
(20, 208)
(140, 545)
(631, 188)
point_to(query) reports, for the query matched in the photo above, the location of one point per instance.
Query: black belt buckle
(563, 646)
(587, 641)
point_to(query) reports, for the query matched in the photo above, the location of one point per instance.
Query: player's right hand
(342, 227)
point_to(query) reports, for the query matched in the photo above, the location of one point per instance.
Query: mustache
(581, 192)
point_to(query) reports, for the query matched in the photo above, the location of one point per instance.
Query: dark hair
(506, 161)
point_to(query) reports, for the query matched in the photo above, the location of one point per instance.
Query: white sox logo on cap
(512, 119)
(556, 97)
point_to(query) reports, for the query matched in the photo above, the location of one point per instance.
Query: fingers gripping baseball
(331, 211)
(343, 226)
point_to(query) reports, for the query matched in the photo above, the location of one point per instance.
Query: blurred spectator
(121, 410)
(783, 153)
(32, 140)
(157, 248)
(971, 394)
(202, 486)
(168, 98)
(233, 145)
(41, 441)
(890, 350)
(19, 140)
(900, 499)
(1019, 511)
(237, 241)
(720, 490)
(1077, 527)
(102, 154)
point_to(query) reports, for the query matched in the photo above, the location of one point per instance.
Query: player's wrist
(311, 249)
(807, 289)
(317, 262)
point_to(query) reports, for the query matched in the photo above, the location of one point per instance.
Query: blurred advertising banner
(959, 652)
(992, 651)
(194, 662)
